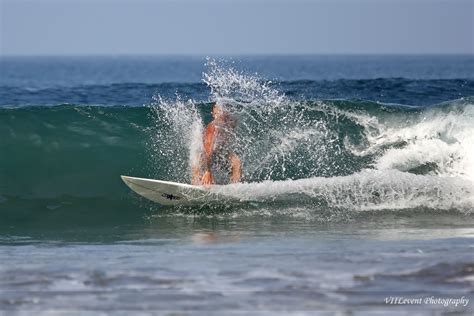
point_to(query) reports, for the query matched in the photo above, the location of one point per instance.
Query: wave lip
(438, 140)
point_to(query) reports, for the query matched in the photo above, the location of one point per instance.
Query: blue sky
(235, 27)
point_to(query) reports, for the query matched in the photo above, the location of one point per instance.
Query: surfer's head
(222, 116)
(217, 111)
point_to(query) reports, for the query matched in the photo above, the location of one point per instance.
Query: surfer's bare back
(216, 142)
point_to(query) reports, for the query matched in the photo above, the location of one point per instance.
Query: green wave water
(339, 154)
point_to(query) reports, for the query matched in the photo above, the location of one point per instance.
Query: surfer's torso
(219, 137)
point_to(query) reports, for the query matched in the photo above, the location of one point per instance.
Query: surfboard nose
(126, 180)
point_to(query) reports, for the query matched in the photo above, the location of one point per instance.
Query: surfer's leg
(207, 178)
(196, 175)
(235, 167)
(196, 171)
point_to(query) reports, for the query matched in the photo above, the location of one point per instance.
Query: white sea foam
(366, 190)
(176, 137)
(438, 137)
(420, 158)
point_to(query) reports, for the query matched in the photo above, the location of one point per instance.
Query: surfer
(217, 153)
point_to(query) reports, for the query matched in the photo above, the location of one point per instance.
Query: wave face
(297, 153)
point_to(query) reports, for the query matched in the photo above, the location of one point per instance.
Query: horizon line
(213, 55)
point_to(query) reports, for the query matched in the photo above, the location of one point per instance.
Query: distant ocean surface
(358, 184)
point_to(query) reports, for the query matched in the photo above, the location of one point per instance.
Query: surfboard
(170, 193)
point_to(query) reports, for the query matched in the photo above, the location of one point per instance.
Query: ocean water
(357, 189)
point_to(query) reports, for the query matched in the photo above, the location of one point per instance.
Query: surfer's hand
(207, 178)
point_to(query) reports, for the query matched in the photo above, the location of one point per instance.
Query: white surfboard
(171, 193)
